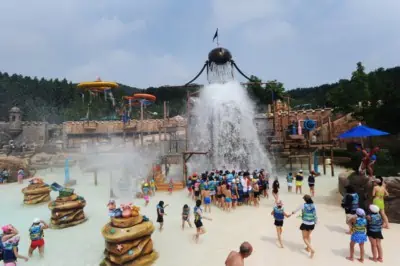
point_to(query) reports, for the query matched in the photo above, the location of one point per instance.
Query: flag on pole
(215, 35)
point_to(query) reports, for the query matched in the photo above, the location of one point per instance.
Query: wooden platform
(164, 186)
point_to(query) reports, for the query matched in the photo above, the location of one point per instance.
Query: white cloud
(154, 42)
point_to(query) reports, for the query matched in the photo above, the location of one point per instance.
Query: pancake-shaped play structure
(36, 192)
(67, 209)
(128, 239)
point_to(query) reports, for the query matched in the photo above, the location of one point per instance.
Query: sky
(158, 42)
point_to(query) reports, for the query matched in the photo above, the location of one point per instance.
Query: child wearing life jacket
(36, 235)
(279, 215)
(186, 216)
(359, 234)
(10, 241)
(374, 233)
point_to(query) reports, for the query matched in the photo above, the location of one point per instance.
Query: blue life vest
(36, 232)
(375, 225)
(360, 225)
(211, 185)
(355, 202)
(145, 190)
(1, 248)
(8, 252)
(309, 214)
(279, 214)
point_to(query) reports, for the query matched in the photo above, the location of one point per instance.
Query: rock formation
(36, 192)
(128, 239)
(67, 209)
(364, 188)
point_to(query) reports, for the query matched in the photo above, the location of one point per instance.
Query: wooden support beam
(299, 156)
(332, 169)
(323, 160)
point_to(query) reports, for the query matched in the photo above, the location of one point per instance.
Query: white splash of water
(222, 122)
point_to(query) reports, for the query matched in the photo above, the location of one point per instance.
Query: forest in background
(373, 97)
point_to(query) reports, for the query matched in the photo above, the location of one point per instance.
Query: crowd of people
(5, 175)
(229, 189)
(366, 224)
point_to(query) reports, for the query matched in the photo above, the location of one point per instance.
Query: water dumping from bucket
(222, 123)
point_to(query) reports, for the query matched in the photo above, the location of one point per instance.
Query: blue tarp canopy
(362, 131)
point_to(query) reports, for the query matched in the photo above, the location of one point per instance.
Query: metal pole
(187, 121)
(141, 123)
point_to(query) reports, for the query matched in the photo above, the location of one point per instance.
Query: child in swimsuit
(275, 189)
(161, 213)
(146, 191)
(228, 198)
(256, 191)
(235, 193)
(279, 214)
(186, 216)
(170, 186)
(311, 183)
(207, 199)
(153, 186)
(359, 234)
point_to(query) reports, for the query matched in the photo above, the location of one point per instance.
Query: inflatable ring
(98, 85)
(126, 222)
(117, 235)
(144, 96)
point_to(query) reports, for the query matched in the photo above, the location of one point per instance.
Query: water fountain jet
(220, 120)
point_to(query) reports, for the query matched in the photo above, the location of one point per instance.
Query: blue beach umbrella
(361, 131)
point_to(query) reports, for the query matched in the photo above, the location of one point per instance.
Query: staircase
(164, 186)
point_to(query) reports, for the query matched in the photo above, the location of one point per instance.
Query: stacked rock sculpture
(67, 209)
(36, 192)
(128, 238)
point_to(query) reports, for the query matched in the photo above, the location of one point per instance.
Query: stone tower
(15, 123)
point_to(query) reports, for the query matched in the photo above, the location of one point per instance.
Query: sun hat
(360, 212)
(36, 220)
(300, 171)
(373, 208)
